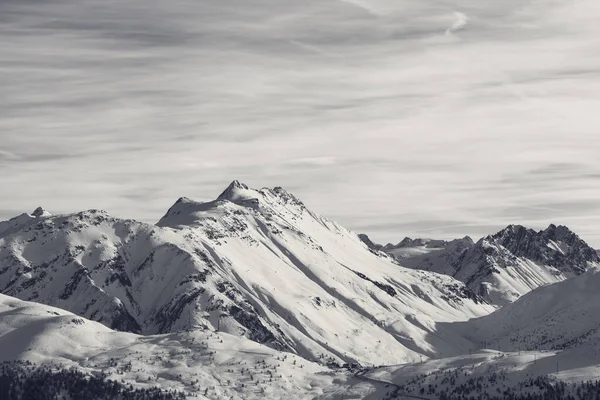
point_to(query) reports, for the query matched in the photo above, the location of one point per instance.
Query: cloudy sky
(434, 118)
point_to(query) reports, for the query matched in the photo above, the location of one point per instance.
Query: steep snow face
(504, 266)
(254, 263)
(314, 279)
(555, 317)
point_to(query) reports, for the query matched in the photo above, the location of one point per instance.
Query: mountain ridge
(254, 263)
(503, 266)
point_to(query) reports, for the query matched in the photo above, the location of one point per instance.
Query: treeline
(26, 381)
(539, 388)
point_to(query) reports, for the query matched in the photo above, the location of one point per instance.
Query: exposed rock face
(366, 240)
(556, 246)
(504, 266)
(40, 212)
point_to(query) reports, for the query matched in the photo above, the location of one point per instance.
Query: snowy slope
(554, 317)
(254, 263)
(549, 335)
(497, 375)
(214, 365)
(504, 266)
(203, 364)
(430, 255)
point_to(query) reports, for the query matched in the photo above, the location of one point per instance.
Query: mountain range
(254, 263)
(255, 275)
(500, 267)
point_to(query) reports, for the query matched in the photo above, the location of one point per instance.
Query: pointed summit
(370, 244)
(560, 232)
(232, 190)
(40, 212)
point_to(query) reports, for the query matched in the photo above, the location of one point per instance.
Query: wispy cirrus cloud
(386, 111)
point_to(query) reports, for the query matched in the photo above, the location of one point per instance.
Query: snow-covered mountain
(254, 263)
(504, 266)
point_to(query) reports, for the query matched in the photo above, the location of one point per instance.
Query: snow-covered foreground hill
(549, 335)
(253, 263)
(504, 266)
(202, 364)
(554, 317)
(498, 375)
(216, 365)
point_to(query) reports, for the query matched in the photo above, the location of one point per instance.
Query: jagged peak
(279, 189)
(286, 196)
(464, 242)
(558, 231)
(367, 240)
(514, 228)
(553, 232)
(419, 242)
(91, 213)
(467, 239)
(184, 200)
(182, 203)
(513, 231)
(40, 212)
(237, 194)
(233, 190)
(405, 242)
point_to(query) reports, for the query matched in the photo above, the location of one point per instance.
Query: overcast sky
(394, 117)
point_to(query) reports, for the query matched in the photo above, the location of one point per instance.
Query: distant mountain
(370, 244)
(504, 266)
(254, 263)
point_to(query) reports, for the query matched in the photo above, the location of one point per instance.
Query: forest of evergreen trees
(26, 381)
(539, 388)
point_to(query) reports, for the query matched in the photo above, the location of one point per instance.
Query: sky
(421, 118)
